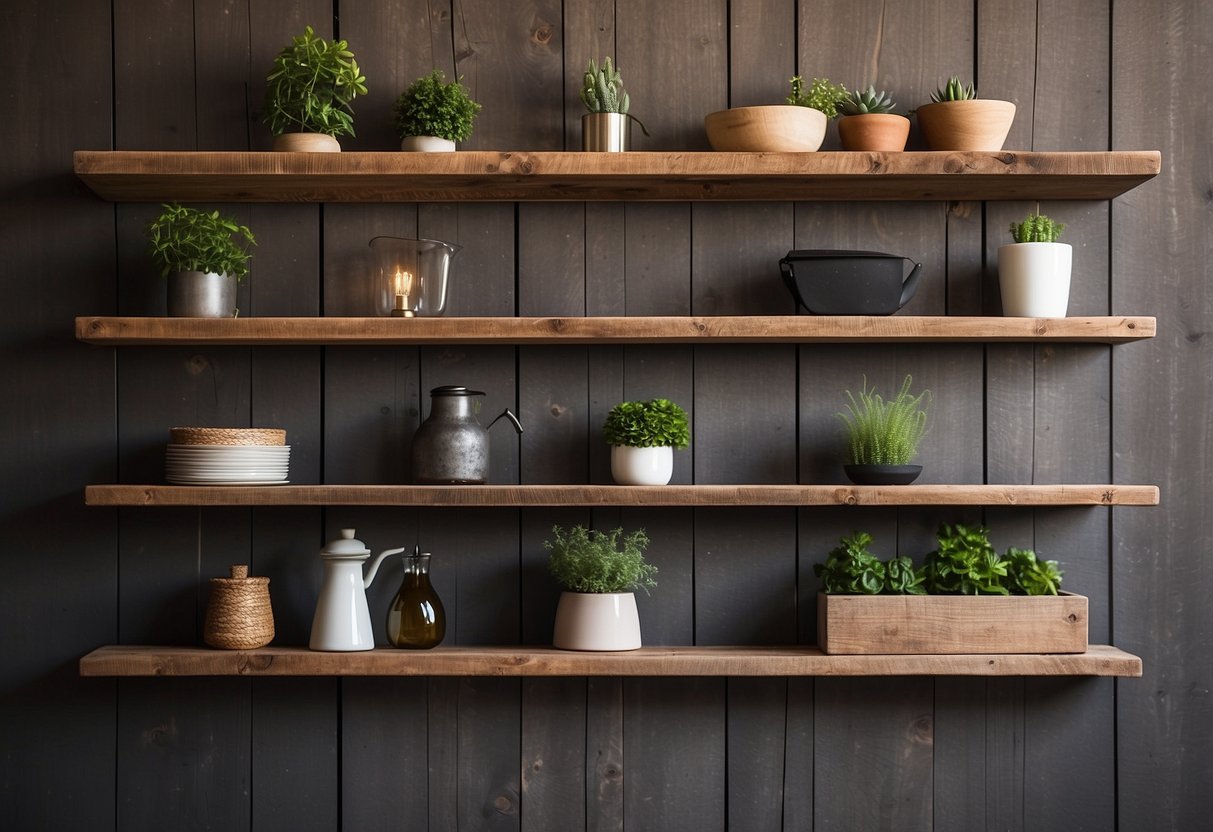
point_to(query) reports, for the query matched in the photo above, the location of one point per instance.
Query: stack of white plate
(227, 464)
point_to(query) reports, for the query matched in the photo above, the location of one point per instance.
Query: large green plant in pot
(430, 110)
(643, 436)
(203, 254)
(310, 89)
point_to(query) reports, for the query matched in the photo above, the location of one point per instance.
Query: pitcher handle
(511, 417)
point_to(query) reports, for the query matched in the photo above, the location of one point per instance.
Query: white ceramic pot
(642, 466)
(1034, 279)
(597, 621)
(426, 144)
(306, 143)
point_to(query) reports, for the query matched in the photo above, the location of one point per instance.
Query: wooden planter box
(951, 624)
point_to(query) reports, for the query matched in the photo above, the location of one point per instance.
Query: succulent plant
(954, 90)
(823, 95)
(861, 102)
(1036, 228)
(602, 90)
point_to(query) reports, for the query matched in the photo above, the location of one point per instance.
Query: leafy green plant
(1036, 228)
(311, 86)
(602, 88)
(1027, 575)
(188, 240)
(901, 578)
(822, 95)
(861, 102)
(965, 563)
(885, 432)
(850, 569)
(648, 424)
(594, 561)
(431, 108)
(954, 90)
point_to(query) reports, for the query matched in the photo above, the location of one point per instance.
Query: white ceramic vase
(1034, 279)
(426, 144)
(642, 466)
(597, 621)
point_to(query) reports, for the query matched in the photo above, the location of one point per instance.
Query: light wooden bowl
(774, 128)
(975, 124)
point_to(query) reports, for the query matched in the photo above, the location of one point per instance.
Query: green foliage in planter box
(883, 432)
(965, 563)
(594, 561)
(1028, 575)
(823, 95)
(311, 86)
(851, 569)
(188, 240)
(648, 424)
(431, 108)
(1036, 228)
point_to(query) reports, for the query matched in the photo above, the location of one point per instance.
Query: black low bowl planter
(828, 282)
(882, 474)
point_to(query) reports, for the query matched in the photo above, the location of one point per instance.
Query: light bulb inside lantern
(403, 285)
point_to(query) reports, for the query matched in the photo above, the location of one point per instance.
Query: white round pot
(426, 144)
(642, 466)
(201, 295)
(306, 143)
(597, 621)
(1034, 279)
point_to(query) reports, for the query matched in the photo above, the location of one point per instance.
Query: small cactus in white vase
(1034, 270)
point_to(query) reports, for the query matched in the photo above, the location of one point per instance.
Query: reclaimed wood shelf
(621, 495)
(491, 176)
(117, 660)
(797, 329)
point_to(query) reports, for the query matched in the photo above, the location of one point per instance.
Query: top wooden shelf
(491, 176)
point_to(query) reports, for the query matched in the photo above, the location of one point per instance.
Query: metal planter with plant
(883, 435)
(1034, 271)
(643, 436)
(203, 255)
(956, 119)
(607, 125)
(432, 116)
(600, 573)
(310, 89)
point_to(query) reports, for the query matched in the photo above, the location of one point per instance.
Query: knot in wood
(504, 804)
(922, 730)
(1107, 497)
(542, 34)
(196, 365)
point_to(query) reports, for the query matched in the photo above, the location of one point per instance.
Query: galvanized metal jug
(451, 447)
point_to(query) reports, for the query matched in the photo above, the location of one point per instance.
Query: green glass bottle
(416, 619)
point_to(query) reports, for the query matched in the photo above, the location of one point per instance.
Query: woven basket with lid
(238, 615)
(227, 436)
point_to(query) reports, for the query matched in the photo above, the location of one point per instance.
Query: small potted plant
(956, 119)
(203, 255)
(600, 573)
(1034, 271)
(607, 126)
(867, 122)
(432, 116)
(799, 124)
(309, 92)
(643, 436)
(883, 436)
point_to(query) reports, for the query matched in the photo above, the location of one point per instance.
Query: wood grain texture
(131, 660)
(485, 176)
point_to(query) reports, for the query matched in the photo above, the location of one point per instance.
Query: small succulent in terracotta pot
(867, 122)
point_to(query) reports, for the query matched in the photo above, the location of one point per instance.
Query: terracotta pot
(306, 143)
(976, 124)
(874, 131)
(592, 621)
(772, 128)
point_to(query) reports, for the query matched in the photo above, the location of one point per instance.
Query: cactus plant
(602, 90)
(1036, 228)
(861, 102)
(954, 90)
(822, 95)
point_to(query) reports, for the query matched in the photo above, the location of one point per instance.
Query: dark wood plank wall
(600, 754)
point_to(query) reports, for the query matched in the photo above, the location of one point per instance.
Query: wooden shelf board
(622, 495)
(492, 176)
(1099, 660)
(127, 331)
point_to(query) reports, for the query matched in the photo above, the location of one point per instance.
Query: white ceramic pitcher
(343, 621)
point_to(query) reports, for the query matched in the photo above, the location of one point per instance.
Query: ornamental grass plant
(885, 432)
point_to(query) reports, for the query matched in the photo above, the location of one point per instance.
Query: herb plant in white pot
(1034, 271)
(431, 116)
(600, 573)
(203, 255)
(643, 436)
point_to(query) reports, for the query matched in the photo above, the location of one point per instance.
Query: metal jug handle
(909, 284)
(512, 418)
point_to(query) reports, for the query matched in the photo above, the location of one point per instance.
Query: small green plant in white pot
(1034, 271)
(643, 436)
(431, 116)
(310, 89)
(203, 255)
(600, 573)
(883, 435)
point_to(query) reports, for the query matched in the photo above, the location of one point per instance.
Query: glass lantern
(410, 276)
